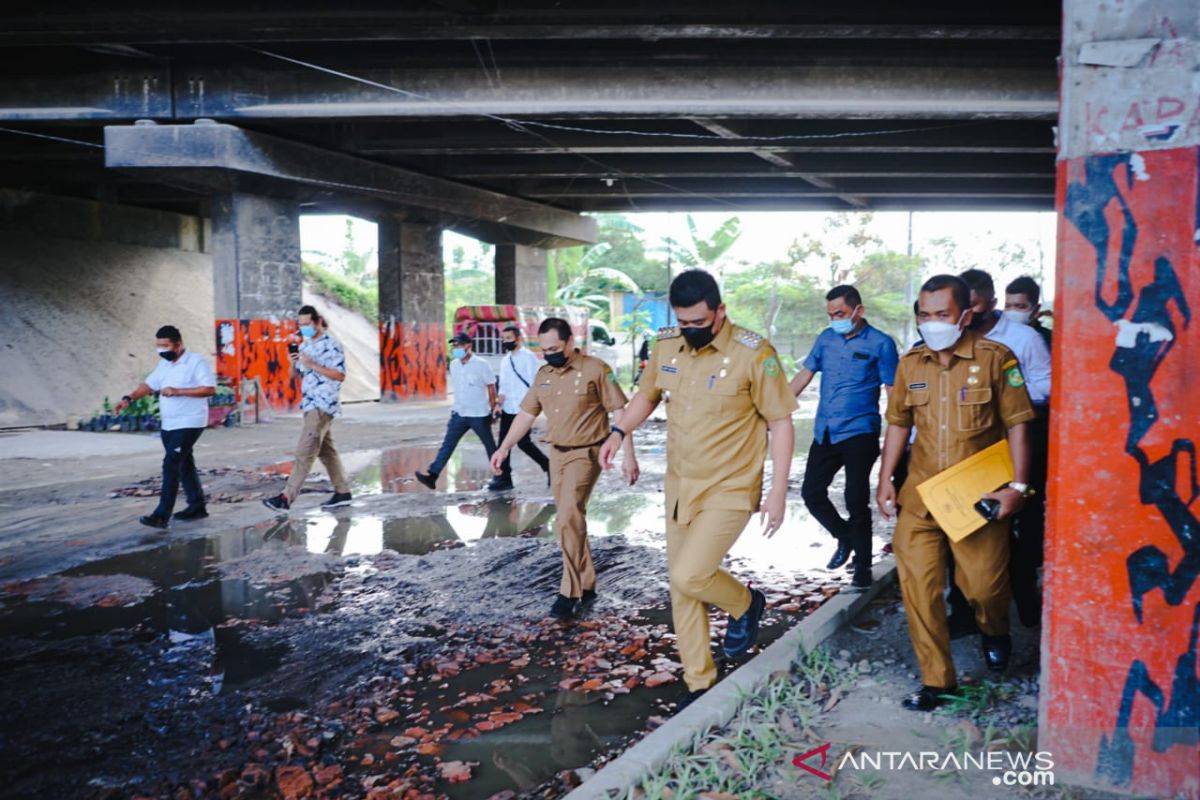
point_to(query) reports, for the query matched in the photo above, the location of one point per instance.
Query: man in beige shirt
(963, 393)
(727, 391)
(577, 393)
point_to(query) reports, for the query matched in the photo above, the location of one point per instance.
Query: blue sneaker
(742, 632)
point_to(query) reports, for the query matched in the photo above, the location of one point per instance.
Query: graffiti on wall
(412, 360)
(1138, 216)
(251, 350)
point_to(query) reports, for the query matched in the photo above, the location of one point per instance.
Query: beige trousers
(980, 570)
(694, 555)
(316, 441)
(573, 475)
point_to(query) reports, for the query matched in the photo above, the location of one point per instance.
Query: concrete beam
(256, 257)
(224, 158)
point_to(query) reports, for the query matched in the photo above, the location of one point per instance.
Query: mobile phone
(988, 508)
(293, 348)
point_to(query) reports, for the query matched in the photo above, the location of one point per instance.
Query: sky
(767, 235)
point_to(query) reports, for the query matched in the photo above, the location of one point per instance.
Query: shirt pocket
(668, 381)
(916, 401)
(975, 410)
(728, 395)
(860, 366)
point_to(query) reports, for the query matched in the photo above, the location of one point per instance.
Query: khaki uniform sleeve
(899, 413)
(648, 384)
(531, 404)
(1013, 398)
(769, 390)
(610, 390)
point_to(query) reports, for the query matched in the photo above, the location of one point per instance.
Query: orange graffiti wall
(1120, 703)
(249, 349)
(412, 360)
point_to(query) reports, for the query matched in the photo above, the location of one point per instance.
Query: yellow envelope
(951, 495)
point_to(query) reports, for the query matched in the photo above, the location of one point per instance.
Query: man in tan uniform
(727, 390)
(963, 393)
(577, 392)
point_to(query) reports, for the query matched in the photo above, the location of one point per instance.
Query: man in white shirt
(1033, 357)
(517, 371)
(474, 388)
(184, 381)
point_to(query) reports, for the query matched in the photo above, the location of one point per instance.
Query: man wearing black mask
(184, 381)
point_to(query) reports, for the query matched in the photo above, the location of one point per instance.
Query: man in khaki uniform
(577, 392)
(963, 393)
(727, 390)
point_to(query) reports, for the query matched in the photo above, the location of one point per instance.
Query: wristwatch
(1023, 488)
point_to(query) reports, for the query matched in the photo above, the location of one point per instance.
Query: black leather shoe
(927, 698)
(688, 699)
(427, 479)
(996, 651)
(841, 555)
(862, 580)
(589, 597)
(500, 484)
(192, 512)
(564, 607)
(741, 633)
(962, 624)
(154, 521)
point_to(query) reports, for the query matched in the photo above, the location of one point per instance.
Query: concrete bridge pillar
(412, 329)
(1119, 702)
(256, 285)
(521, 275)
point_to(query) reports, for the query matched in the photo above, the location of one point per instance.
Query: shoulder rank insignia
(748, 338)
(669, 332)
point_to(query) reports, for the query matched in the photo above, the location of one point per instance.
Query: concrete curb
(719, 705)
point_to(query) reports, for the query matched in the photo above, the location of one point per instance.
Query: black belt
(568, 448)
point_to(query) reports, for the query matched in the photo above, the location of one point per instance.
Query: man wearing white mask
(1022, 304)
(854, 360)
(963, 393)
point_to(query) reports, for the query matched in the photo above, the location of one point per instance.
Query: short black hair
(558, 325)
(957, 286)
(514, 330)
(980, 283)
(848, 293)
(1027, 286)
(169, 332)
(693, 285)
(312, 312)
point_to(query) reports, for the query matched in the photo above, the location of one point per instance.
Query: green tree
(887, 281)
(593, 282)
(469, 282)
(351, 263)
(844, 240)
(777, 300)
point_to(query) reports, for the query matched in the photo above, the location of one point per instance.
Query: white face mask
(939, 335)
(1019, 317)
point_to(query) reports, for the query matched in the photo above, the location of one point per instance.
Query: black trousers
(857, 456)
(178, 466)
(526, 444)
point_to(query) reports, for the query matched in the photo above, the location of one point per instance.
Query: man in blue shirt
(855, 359)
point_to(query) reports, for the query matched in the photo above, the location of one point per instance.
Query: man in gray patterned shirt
(320, 360)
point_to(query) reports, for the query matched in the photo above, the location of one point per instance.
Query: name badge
(543, 386)
(918, 386)
(669, 368)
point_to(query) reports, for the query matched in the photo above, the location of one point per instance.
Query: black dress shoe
(862, 580)
(996, 651)
(927, 698)
(589, 597)
(192, 512)
(427, 479)
(741, 633)
(962, 624)
(841, 555)
(154, 521)
(564, 607)
(500, 484)
(688, 699)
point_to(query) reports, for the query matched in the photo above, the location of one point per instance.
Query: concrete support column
(521, 275)
(257, 282)
(412, 329)
(1119, 706)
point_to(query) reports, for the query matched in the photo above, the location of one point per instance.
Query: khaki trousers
(694, 555)
(316, 441)
(573, 474)
(981, 572)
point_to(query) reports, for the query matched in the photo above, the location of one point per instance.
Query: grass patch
(344, 292)
(979, 701)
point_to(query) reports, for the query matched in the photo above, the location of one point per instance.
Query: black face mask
(978, 320)
(556, 359)
(508, 347)
(698, 337)
(169, 355)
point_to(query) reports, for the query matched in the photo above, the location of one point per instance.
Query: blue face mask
(308, 331)
(843, 326)
(458, 352)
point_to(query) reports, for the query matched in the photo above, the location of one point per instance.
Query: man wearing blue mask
(321, 362)
(474, 387)
(854, 360)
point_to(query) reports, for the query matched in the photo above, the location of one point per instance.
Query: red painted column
(412, 328)
(1120, 702)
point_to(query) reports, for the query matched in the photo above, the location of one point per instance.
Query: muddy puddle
(397, 648)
